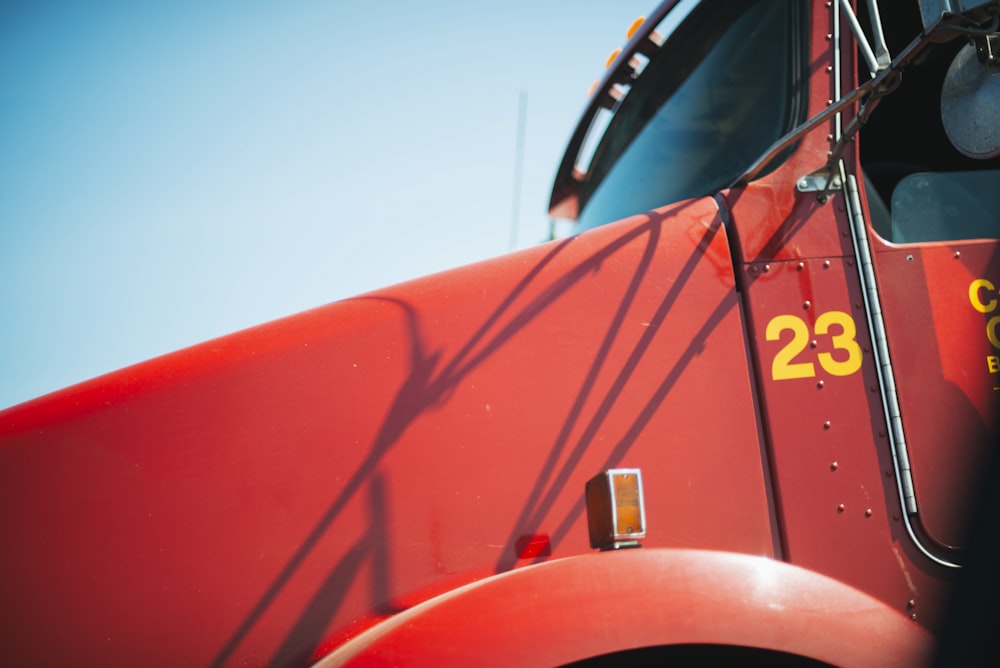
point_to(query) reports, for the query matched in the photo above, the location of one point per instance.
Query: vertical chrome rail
(887, 383)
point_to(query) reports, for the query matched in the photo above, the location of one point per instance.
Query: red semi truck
(744, 414)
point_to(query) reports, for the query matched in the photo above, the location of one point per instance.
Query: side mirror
(970, 98)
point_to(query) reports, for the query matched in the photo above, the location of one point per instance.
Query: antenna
(515, 214)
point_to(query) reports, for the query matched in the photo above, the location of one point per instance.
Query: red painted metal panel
(261, 497)
(596, 604)
(822, 409)
(831, 458)
(940, 316)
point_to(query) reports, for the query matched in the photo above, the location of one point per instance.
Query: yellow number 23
(784, 366)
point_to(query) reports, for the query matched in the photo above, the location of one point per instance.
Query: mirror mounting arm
(885, 81)
(984, 51)
(879, 59)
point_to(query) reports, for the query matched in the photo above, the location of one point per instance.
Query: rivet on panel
(819, 385)
(806, 304)
(841, 508)
(834, 466)
(800, 266)
(868, 512)
(913, 616)
(826, 264)
(813, 343)
(911, 604)
(881, 434)
(958, 254)
(767, 268)
(909, 258)
(873, 388)
(826, 425)
(850, 262)
(895, 517)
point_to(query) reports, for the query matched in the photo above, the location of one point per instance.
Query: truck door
(933, 218)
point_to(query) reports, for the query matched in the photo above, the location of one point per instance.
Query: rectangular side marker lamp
(616, 514)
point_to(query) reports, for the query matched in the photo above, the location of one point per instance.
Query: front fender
(594, 604)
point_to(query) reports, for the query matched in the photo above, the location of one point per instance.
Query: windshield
(718, 94)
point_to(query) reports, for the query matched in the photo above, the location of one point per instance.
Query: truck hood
(264, 496)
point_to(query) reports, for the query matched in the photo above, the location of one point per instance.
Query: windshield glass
(718, 94)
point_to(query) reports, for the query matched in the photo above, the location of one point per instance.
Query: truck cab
(777, 327)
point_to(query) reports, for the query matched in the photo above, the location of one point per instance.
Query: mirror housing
(933, 11)
(970, 98)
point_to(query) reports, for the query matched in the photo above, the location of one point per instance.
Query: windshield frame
(564, 200)
(668, 33)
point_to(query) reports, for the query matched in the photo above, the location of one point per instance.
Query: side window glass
(930, 206)
(919, 187)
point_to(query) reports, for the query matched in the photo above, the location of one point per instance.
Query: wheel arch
(597, 604)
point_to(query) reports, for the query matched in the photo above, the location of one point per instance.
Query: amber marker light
(612, 57)
(616, 514)
(634, 27)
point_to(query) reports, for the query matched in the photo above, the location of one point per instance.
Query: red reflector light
(533, 545)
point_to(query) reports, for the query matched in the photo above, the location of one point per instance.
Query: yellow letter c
(977, 303)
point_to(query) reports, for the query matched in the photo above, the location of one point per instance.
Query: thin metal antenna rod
(515, 214)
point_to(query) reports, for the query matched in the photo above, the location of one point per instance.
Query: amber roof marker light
(616, 513)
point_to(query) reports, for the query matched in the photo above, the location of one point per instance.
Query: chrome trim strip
(876, 327)
(887, 384)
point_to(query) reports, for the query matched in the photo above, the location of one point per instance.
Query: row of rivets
(843, 507)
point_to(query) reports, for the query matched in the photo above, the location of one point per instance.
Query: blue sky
(172, 172)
